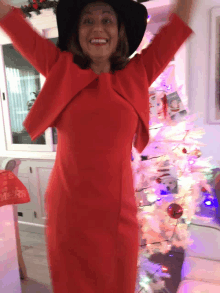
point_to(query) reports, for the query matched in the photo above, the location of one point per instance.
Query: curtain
(21, 85)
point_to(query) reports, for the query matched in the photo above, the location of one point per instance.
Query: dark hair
(118, 60)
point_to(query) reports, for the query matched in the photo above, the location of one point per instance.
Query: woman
(97, 98)
(98, 44)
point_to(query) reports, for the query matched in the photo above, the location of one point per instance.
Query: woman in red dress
(97, 98)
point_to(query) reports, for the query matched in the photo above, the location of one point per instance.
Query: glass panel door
(23, 87)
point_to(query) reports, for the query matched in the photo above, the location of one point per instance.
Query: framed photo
(214, 68)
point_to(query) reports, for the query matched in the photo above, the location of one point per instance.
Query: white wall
(199, 77)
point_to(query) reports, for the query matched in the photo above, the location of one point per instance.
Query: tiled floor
(34, 254)
(35, 258)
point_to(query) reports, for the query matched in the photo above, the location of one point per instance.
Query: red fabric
(12, 190)
(92, 227)
(92, 231)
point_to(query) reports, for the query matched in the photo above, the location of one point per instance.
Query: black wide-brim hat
(133, 14)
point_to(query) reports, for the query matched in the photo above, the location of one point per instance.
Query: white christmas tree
(170, 179)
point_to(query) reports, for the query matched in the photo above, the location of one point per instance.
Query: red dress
(92, 224)
(92, 233)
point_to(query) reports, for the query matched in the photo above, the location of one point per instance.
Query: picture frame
(213, 102)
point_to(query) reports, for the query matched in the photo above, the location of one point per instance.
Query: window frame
(43, 24)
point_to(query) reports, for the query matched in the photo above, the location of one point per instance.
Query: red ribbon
(164, 99)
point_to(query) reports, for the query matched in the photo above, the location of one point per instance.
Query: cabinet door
(38, 180)
(25, 211)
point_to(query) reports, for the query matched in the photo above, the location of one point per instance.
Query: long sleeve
(39, 51)
(164, 46)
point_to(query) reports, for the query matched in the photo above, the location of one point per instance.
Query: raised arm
(39, 51)
(168, 41)
(4, 8)
(184, 9)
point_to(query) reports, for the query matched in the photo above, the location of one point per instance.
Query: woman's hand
(5, 7)
(184, 9)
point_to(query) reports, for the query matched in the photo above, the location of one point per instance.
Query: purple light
(191, 161)
(208, 203)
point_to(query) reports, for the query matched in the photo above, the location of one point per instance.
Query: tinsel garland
(38, 5)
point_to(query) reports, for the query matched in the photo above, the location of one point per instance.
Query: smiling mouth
(98, 44)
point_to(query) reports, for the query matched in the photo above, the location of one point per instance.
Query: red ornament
(203, 189)
(185, 151)
(158, 180)
(35, 6)
(175, 211)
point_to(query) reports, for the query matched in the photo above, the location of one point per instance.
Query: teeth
(98, 41)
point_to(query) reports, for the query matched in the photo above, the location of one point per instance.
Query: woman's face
(98, 20)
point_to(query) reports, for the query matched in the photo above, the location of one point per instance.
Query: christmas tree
(171, 179)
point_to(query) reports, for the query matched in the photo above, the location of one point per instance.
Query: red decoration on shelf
(185, 151)
(203, 189)
(175, 211)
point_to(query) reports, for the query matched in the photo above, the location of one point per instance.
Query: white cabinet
(34, 174)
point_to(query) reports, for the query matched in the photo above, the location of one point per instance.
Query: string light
(192, 161)
(149, 18)
(164, 269)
